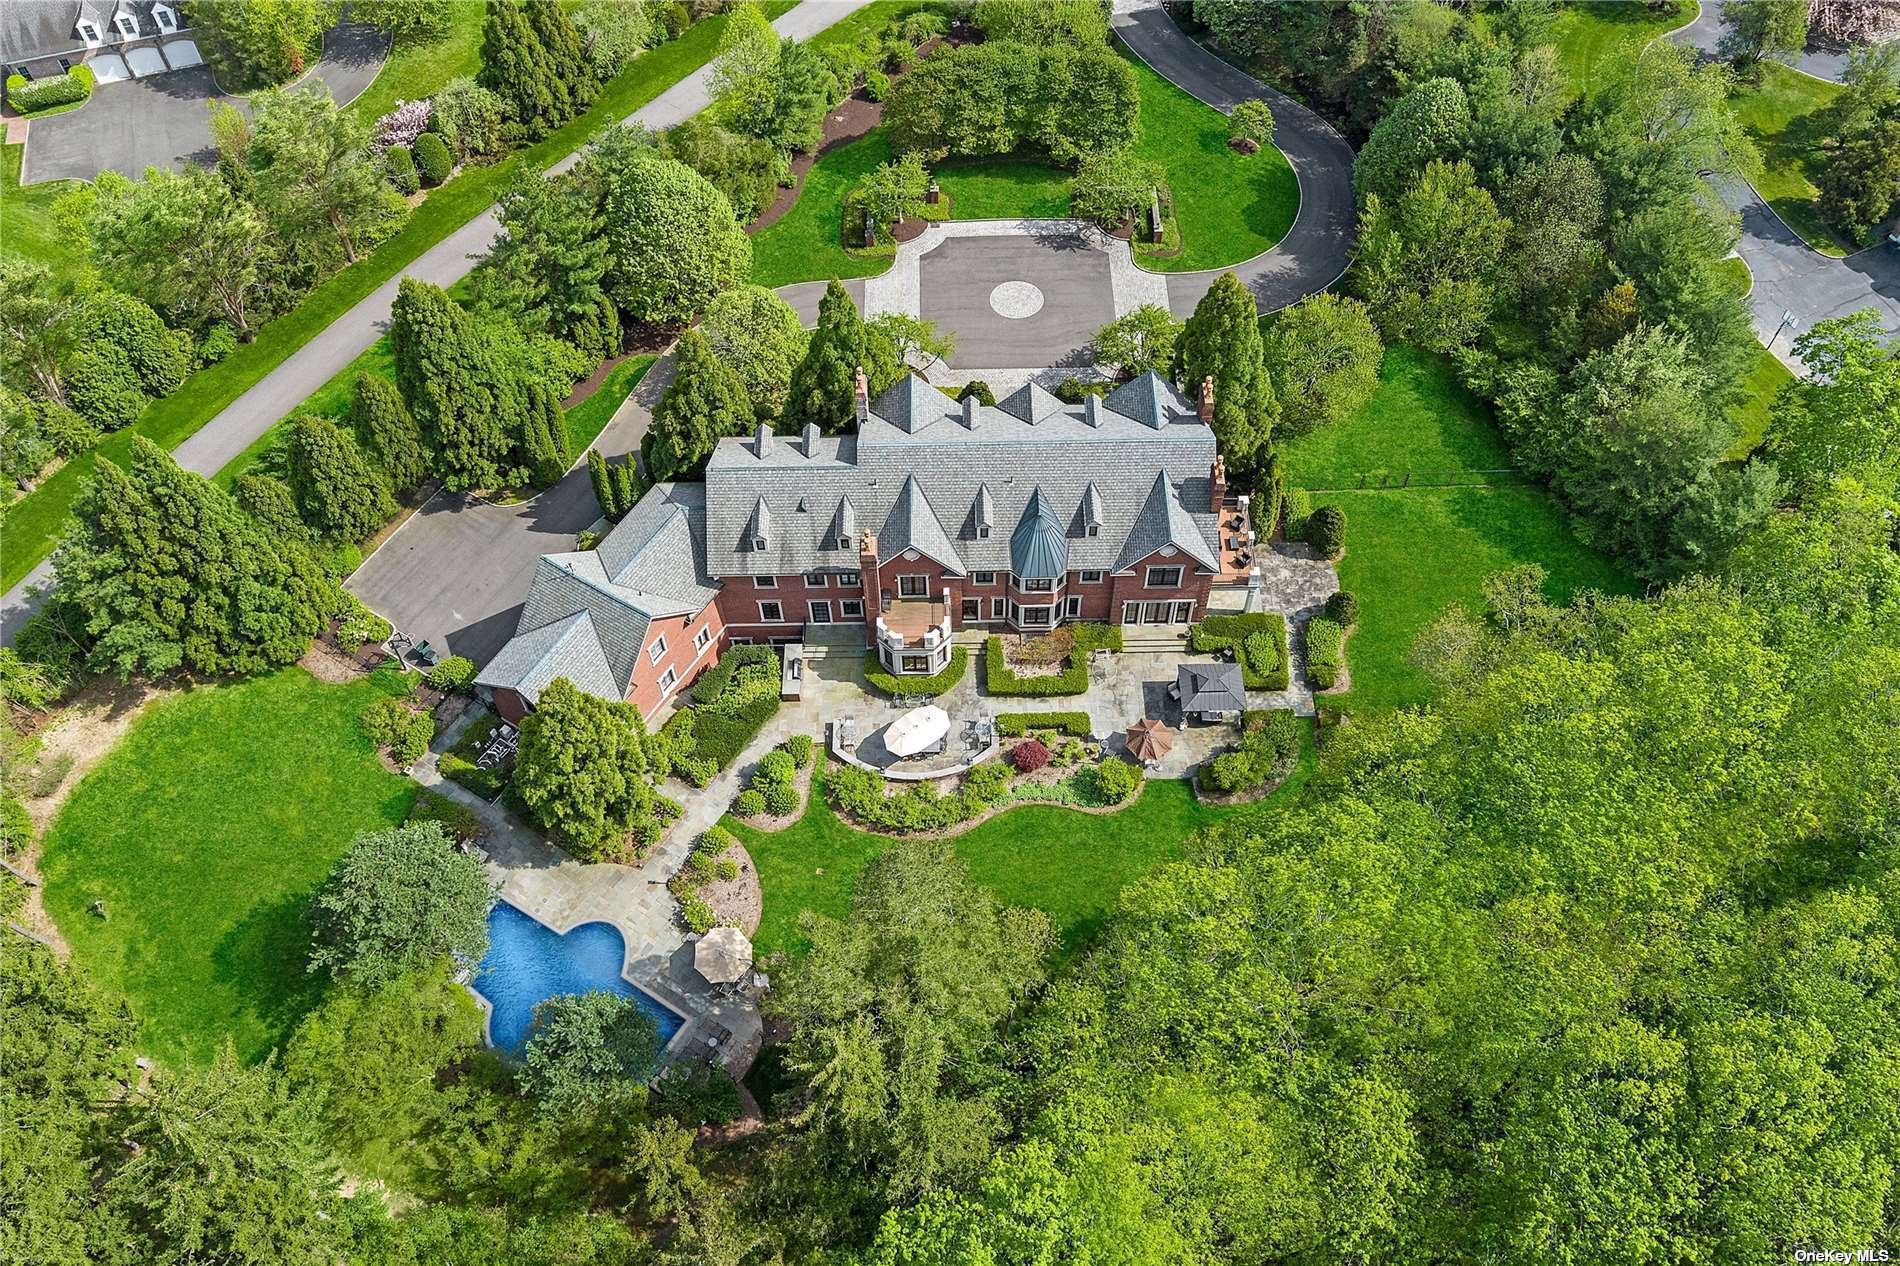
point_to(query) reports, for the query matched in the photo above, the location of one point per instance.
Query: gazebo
(1210, 691)
(723, 956)
(1148, 740)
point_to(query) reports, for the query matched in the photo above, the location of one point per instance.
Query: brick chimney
(863, 394)
(1217, 493)
(1207, 399)
(867, 584)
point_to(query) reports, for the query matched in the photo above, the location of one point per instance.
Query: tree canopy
(396, 902)
(582, 769)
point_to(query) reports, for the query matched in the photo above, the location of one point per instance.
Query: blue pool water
(527, 963)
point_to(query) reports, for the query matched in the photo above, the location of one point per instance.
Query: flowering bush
(1028, 756)
(402, 125)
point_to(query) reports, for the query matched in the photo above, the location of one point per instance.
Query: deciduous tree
(1428, 262)
(315, 176)
(582, 768)
(1430, 123)
(181, 242)
(673, 243)
(1323, 354)
(1139, 342)
(588, 1052)
(398, 901)
(758, 336)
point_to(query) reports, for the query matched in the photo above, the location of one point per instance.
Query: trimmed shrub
(877, 84)
(399, 165)
(1343, 609)
(433, 159)
(698, 770)
(1258, 641)
(978, 388)
(698, 916)
(458, 821)
(714, 681)
(219, 342)
(358, 625)
(774, 767)
(46, 94)
(1028, 756)
(1299, 507)
(860, 794)
(750, 804)
(1269, 746)
(1325, 531)
(1116, 780)
(1251, 121)
(1073, 390)
(799, 747)
(1325, 652)
(453, 673)
(940, 683)
(781, 799)
(1014, 724)
(394, 726)
(1072, 680)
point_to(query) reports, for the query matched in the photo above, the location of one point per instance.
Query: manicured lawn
(1230, 206)
(1759, 389)
(1411, 551)
(1005, 189)
(586, 420)
(1782, 114)
(33, 524)
(1592, 38)
(416, 70)
(26, 217)
(205, 833)
(1070, 864)
(805, 244)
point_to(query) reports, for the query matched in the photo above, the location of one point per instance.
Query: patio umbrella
(916, 730)
(1149, 740)
(723, 955)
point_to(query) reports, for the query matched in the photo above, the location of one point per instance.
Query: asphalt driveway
(457, 572)
(1072, 286)
(165, 120)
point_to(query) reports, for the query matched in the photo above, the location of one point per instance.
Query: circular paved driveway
(1074, 286)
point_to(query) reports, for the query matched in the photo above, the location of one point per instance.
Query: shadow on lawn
(265, 960)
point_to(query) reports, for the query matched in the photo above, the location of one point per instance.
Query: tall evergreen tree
(1222, 341)
(450, 378)
(704, 402)
(602, 480)
(544, 436)
(338, 492)
(387, 431)
(516, 68)
(824, 384)
(168, 572)
(269, 501)
(628, 488)
(563, 55)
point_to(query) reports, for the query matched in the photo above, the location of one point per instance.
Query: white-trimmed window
(128, 26)
(982, 531)
(657, 649)
(983, 578)
(1168, 577)
(668, 680)
(89, 32)
(166, 19)
(1092, 529)
(851, 608)
(816, 580)
(1034, 617)
(913, 585)
(1071, 608)
(849, 580)
(701, 638)
(765, 582)
(1184, 613)
(818, 612)
(916, 663)
(771, 613)
(1039, 586)
(996, 608)
(1091, 577)
(742, 641)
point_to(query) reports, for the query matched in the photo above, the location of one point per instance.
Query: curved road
(316, 362)
(1793, 281)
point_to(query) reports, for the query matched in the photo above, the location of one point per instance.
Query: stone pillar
(868, 585)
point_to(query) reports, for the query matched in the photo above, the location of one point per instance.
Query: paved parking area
(1055, 288)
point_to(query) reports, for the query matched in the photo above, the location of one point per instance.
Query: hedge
(44, 94)
(1072, 680)
(859, 793)
(1074, 724)
(712, 683)
(720, 738)
(1325, 652)
(941, 683)
(731, 702)
(1258, 641)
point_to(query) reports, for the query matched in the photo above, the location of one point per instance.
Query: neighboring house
(39, 38)
(933, 516)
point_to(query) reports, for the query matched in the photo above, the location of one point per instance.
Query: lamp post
(1788, 322)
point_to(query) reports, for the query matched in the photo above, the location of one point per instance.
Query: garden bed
(1047, 678)
(851, 119)
(939, 683)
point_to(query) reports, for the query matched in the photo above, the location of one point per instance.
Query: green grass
(586, 420)
(1230, 206)
(1783, 116)
(1066, 863)
(1004, 189)
(1593, 38)
(870, 21)
(33, 523)
(418, 69)
(1411, 551)
(27, 230)
(205, 832)
(1759, 389)
(805, 244)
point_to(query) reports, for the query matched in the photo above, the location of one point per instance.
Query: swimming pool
(527, 963)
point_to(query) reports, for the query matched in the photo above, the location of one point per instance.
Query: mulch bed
(851, 120)
(740, 901)
(911, 230)
(800, 780)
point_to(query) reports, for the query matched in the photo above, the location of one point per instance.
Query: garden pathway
(1794, 284)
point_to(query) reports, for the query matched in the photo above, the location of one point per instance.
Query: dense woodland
(1595, 958)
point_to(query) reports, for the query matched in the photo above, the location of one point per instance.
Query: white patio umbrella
(916, 730)
(723, 955)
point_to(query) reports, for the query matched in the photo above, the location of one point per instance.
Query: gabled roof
(914, 525)
(1211, 688)
(568, 648)
(1037, 548)
(1163, 520)
(1032, 403)
(911, 404)
(983, 513)
(1147, 399)
(844, 526)
(1092, 509)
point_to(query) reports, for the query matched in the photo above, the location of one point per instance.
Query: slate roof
(587, 612)
(34, 29)
(1211, 688)
(1141, 457)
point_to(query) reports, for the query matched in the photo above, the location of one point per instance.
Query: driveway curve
(1316, 250)
(1794, 284)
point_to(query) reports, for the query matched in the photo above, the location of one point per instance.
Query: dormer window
(982, 531)
(758, 542)
(128, 25)
(1093, 529)
(166, 19)
(89, 32)
(844, 542)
